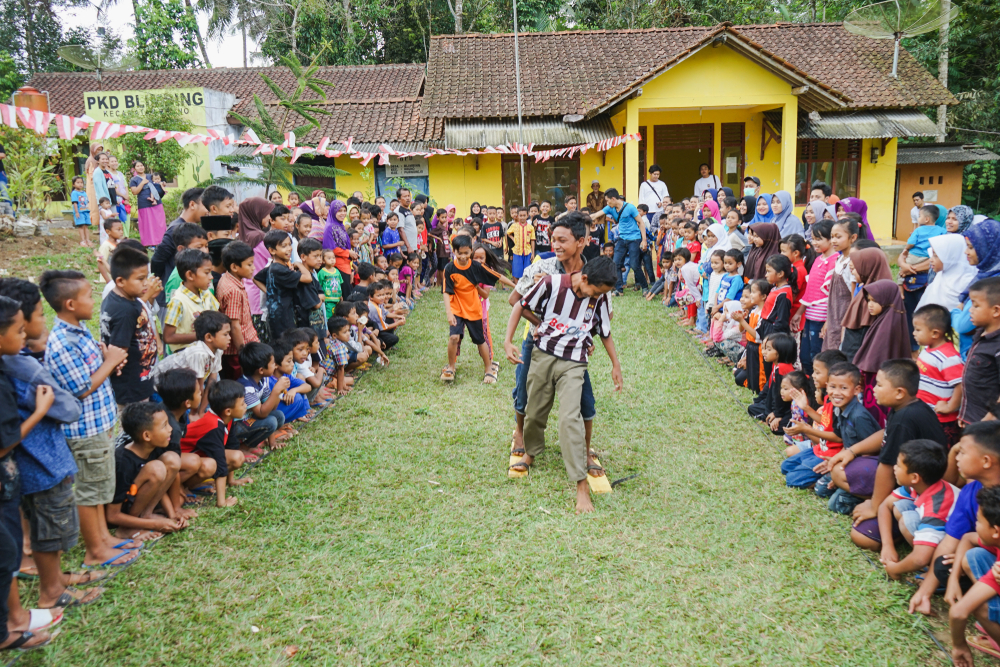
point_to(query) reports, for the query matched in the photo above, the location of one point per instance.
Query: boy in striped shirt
(567, 310)
(941, 368)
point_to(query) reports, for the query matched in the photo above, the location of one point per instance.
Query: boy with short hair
(213, 332)
(237, 258)
(309, 310)
(340, 332)
(181, 392)
(608, 250)
(257, 361)
(208, 437)
(976, 556)
(918, 509)
(543, 224)
(190, 300)
(141, 480)
(391, 240)
(981, 376)
(522, 242)
(189, 236)
(377, 316)
(125, 323)
(462, 276)
(567, 310)
(299, 340)
(279, 281)
(79, 366)
(896, 385)
(115, 232)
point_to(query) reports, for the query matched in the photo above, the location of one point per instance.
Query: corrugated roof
(539, 131)
(946, 152)
(577, 72)
(863, 125)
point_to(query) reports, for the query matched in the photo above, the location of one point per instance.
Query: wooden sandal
(447, 375)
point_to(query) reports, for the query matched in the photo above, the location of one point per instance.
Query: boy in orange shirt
(464, 309)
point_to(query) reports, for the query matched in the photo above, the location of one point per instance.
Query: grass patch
(389, 534)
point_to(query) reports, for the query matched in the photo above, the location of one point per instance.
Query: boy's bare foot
(240, 481)
(127, 540)
(518, 448)
(523, 464)
(583, 504)
(593, 469)
(108, 558)
(85, 578)
(187, 514)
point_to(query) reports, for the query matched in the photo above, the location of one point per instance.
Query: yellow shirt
(184, 307)
(522, 235)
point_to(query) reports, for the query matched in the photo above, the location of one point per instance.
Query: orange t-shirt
(460, 282)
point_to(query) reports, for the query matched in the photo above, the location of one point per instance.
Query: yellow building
(787, 103)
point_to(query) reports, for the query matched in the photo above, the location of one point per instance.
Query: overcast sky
(225, 52)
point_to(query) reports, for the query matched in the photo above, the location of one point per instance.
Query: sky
(224, 52)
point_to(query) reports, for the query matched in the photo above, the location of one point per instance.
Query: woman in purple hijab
(335, 238)
(855, 205)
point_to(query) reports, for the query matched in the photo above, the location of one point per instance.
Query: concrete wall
(949, 190)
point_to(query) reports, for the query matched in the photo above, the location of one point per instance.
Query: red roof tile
(576, 72)
(350, 83)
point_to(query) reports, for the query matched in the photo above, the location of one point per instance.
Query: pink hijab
(713, 210)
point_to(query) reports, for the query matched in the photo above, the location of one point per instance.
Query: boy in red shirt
(209, 435)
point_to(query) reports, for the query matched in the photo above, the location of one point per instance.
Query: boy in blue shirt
(391, 240)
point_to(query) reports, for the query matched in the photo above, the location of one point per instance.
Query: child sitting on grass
(300, 341)
(794, 384)
(261, 396)
(181, 391)
(190, 300)
(208, 437)
(142, 479)
(918, 509)
(770, 407)
(360, 348)
(204, 357)
(977, 554)
(340, 332)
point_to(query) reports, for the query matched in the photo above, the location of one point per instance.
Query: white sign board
(930, 195)
(406, 167)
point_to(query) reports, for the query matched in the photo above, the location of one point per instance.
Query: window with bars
(836, 162)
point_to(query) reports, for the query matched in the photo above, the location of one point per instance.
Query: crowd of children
(243, 325)
(884, 390)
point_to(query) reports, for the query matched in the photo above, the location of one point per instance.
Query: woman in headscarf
(781, 205)
(316, 209)
(982, 243)
(336, 238)
(90, 166)
(253, 217)
(765, 241)
(855, 205)
(721, 195)
(710, 210)
(959, 219)
(953, 273)
(868, 265)
(762, 209)
(813, 214)
(887, 337)
(746, 208)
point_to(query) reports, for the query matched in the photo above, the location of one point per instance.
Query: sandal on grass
(68, 599)
(491, 375)
(20, 642)
(43, 619)
(110, 563)
(985, 644)
(447, 375)
(520, 467)
(596, 469)
(90, 577)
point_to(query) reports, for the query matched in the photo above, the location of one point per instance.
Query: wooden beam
(801, 90)
(767, 134)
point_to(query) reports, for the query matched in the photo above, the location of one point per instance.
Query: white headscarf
(721, 232)
(955, 276)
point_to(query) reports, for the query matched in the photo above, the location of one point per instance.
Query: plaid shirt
(235, 304)
(340, 352)
(73, 356)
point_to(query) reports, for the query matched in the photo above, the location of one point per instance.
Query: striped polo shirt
(567, 321)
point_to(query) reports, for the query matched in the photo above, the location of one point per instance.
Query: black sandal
(25, 637)
(520, 464)
(596, 467)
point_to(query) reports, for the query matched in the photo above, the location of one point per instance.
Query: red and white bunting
(323, 143)
(249, 137)
(33, 119)
(68, 126)
(8, 115)
(300, 151)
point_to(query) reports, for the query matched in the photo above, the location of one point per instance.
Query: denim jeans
(980, 561)
(647, 263)
(811, 344)
(630, 248)
(588, 406)
(798, 469)
(701, 324)
(658, 285)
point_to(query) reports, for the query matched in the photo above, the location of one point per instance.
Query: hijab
(713, 210)
(964, 216)
(985, 238)
(754, 266)
(751, 202)
(942, 219)
(818, 208)
(249, 218)
(767, 217)
(889, 335)
(726, 191)
(713, 192)
(335, 234)
(955, 275)
(871, 265)
(855, 205)
(787, 223)
(722, 234)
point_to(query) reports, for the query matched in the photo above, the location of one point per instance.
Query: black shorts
(475, 327)
(442, 262)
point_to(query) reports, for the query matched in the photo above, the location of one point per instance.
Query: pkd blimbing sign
(111, 105)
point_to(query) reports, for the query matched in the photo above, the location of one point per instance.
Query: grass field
(389, 534)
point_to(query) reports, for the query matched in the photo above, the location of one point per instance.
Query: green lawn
(389, 534)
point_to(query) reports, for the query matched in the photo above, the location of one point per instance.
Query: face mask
(363, 320)
(748, 192)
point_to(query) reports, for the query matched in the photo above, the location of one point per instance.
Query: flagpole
(520, 129)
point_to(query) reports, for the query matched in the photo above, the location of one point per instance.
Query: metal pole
(520, 129)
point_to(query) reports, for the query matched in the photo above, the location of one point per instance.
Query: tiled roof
(396, 122)
(577, 72)
(938, 153)
(350, 83)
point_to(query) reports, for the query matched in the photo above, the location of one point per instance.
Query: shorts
(95, 461)
(980, 562)
(908, 515)
(476, 332)
(52, 517)
(352, 357)
(860, 475)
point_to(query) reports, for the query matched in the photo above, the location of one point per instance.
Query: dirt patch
(26, 257)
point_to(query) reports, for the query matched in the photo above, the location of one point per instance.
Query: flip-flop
(67, 600)
(595, 468)
(447, 375)
(94, 576)
(24, 639)
(490, 375)
(23, 574)
(43, 619)
(110, 563)
(985, 644)
(121, 545)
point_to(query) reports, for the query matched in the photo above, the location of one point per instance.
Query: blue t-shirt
(628, 227)
(390, 236)
(81, 216)
(963, 515)
(730, 288)
(921, 237)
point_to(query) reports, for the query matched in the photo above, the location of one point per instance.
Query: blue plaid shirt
(73, 356)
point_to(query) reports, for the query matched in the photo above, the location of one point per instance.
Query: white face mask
(748, 191)
(363, 320)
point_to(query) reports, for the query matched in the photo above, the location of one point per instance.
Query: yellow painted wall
(606, 167)
(877, 186)
(454, 179)
(356, 180)
(688, 92)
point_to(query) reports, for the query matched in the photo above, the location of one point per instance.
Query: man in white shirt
(918, 202)
(653, 192)
(707, 180)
